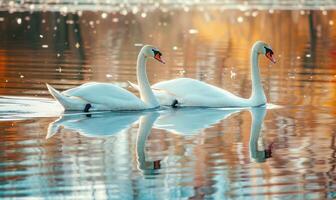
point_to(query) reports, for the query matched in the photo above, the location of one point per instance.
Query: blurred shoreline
(65, 6)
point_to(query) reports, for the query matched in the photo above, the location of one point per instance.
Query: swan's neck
(258, 96)
(146, 92)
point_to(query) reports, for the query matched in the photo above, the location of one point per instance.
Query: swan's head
(265, 49)
(152, 52)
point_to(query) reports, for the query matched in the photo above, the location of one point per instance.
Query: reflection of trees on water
(310, 61)
(45, 41)
(69, 37)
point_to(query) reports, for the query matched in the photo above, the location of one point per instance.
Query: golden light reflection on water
(210, 45)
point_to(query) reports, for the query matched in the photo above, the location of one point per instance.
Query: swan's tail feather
(57, 95)
(134, 86)
(67, 102)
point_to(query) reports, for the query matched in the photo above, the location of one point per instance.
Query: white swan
(191, 92)
(106, 96)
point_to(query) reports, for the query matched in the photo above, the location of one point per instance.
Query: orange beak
(269, 55)
(158, 57)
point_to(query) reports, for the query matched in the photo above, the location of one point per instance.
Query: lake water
(284, 151)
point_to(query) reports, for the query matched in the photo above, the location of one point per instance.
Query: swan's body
(106, 96)
(191, 92)
(101, 96)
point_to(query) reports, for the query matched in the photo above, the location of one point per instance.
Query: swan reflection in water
(183, 121)
(110, 124)
(190, 121)
(258, 152)
(100, 124)
(187, 121)
(145, 126)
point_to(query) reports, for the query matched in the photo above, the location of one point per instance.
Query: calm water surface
(284, 151)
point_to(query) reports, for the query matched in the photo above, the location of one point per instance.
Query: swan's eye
(268, 51)
(156, 52)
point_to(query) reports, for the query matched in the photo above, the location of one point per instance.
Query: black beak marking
(156, 52)
(268, 51)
